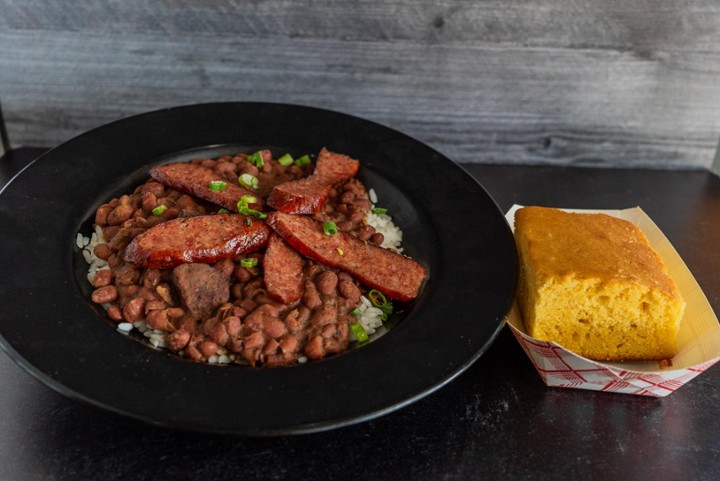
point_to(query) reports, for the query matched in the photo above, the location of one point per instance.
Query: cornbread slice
(593, 284)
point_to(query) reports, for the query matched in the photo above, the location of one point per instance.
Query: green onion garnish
(286, 160)
(248, 221)
(379, 210)
(159, 209)
(329, 228)
(216, 185)
(223, 211)
(248, 199)
(355, 312)
(248, 180)
(243, 208)
(249, 262)
(379, 300)
(304, 160)
(358, 332)
(256, 159)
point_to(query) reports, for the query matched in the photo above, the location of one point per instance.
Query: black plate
(49, 327)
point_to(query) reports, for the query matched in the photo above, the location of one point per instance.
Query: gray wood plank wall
(586, 82)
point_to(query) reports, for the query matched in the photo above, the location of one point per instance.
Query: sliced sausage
(309, 195)
(194, 179)
(304, 196)
(397, 276)
(283, 271)
(206, 239)
(332, 167)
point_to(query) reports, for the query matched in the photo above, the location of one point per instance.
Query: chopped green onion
(304, 160)
(243, 208)
(248, 180)
(249, 262)
(216, 185)
(256, 159)
(252, 212)
(359, 332)
(248, 221)
(379, 210)
(159, 209)
(248, 199)
(223, 211)
(379, 300)
(355, 312)
(329, 228)
(286, 160)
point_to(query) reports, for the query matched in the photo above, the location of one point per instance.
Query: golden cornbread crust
(593, 284)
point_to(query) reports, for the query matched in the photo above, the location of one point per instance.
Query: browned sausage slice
(309, 195)
(283, 270)
(396, 276)
(195, 180)
(204, 239)
(304, 196)
(332, 167)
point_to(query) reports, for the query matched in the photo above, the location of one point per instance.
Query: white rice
(370, 317)
(87, 244)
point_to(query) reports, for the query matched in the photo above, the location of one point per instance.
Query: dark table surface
(497, 420)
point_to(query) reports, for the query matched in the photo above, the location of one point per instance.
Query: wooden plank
(475, 103)
(633, 25)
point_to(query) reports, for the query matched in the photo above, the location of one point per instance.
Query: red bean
(149, 201)
(152, 278)
(314, 348)
(271, 347)
(327, 282)
(102, 278)
(177, 340)
(133, 310)
(155, 188)
(365, 232)
(102, 251)
(233, 326)
(274, 328)
(158, 319)
(208, 348)
(226, 267)
(154, 305)
(110, 231)
(289, 344)
(242, 274)
(237, 291)
(311, 298)
(115, 313)
(120, 214)
(192, 351)
(219, 334)
(104, 294)
(254, 340)
(126, 275)
(325, 315)
(377, 238)
(175, 312)
(101, 214)
(349, 290)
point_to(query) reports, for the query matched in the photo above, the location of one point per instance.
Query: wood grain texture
(561, 82)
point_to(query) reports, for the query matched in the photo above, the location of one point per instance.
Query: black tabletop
(496, 420)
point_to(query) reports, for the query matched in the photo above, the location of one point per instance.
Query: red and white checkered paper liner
(698, 339)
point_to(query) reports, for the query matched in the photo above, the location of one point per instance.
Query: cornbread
(593, 284)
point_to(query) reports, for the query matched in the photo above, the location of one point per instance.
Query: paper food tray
(698, 345)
